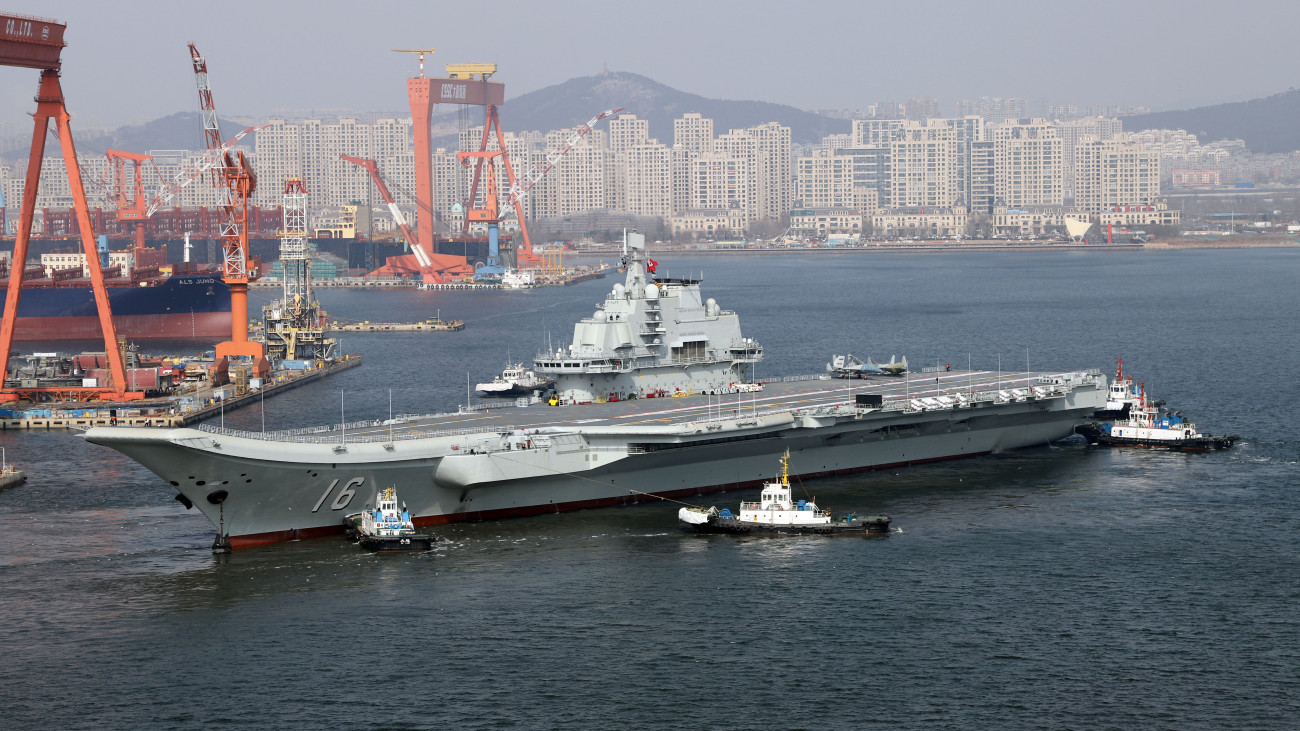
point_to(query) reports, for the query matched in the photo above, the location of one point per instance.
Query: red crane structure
(129, 199)
(37, 43)
(492, 124)
(235, 182)
(433, 268)
(461, 88)
(519, 190)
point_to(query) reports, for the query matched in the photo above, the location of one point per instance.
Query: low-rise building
(67, 260)
(1184, 178)
(823, 222)
(709, 223)
(1156, 214)
(1033, 220)
(920, 222)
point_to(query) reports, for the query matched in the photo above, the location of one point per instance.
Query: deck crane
(235, 182)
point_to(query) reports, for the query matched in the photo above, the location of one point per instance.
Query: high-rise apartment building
(649, 182)
(982, 178)
(923, 159)
(626, 132)
(873, 132)
(825, 180)
(693, 132)
(968, 130)
(919, 109)
(994, 110)
(774, 179)
(311, 149)
(1072, 130)
(739, 145)
(871, 170)
(1029, 170)
(1114, 173)
(721, 180)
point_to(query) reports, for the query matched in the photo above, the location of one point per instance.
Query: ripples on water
(1059, 587)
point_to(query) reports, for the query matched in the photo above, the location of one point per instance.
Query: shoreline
(950, 247)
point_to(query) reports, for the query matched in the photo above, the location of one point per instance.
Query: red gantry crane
(129, 199)
(468, 84)
(37, 43)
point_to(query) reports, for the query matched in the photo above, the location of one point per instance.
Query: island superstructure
(607, 442)
(650, 337)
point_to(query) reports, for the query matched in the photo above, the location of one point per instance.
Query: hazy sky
(127, 62)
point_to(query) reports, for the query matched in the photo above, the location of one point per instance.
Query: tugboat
(514, 381)
(1121, 397)
(386, 528)
(776, 512)
(1146, 426)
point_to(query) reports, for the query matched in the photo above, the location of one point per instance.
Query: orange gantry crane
(130, 201)
(488, 213)
(468, 84)
(37, 43)
(492, 124)
(235, 182)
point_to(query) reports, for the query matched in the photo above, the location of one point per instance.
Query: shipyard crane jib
(428, 272)
(210, 159)
(520, 189)
(373, 169)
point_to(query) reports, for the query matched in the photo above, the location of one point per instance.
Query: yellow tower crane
(421, 52)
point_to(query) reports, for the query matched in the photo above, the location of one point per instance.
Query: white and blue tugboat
(1121, 397)
(777, 512)
(386, 528)
(1147, 425)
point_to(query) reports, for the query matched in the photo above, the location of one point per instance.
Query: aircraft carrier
(650, 401)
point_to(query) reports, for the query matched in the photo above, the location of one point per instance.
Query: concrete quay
(177, 411)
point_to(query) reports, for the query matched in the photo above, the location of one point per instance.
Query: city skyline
(1128, 54)
(938, 177)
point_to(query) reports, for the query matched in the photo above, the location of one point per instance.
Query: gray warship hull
(540, 459)
(619, 433)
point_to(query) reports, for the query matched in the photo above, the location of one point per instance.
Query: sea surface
(1062, 586)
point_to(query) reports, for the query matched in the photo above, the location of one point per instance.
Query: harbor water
(1063, 586)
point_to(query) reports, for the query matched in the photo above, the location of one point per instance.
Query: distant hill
(180, 131)
(1267, 125)
(567, 105)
